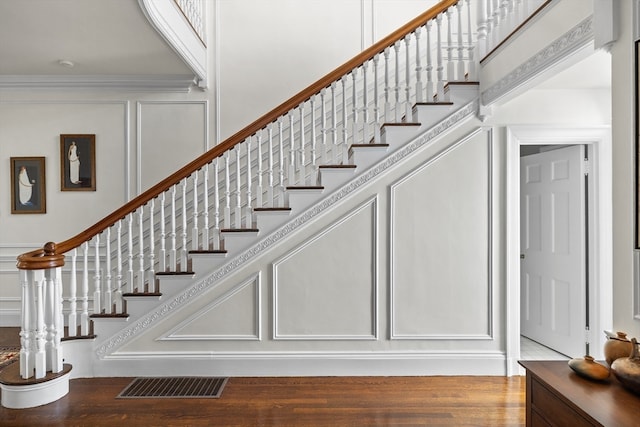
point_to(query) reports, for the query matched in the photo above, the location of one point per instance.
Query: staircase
(181, 239)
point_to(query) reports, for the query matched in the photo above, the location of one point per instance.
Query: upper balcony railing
(221, 189)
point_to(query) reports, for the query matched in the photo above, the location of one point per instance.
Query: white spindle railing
(161, 232)
(194, 11)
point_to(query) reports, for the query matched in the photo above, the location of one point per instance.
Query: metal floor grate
(174, 387)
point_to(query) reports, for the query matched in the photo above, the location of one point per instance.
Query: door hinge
(587, 166)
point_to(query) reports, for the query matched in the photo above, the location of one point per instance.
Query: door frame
(598, 141)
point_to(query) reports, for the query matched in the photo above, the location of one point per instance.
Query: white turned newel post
(40, 361)
(97, 291)
(248, 210)
(28, 325)
(73, 290)
(55, 323)
(163, 235)
(195, 233)
(84, 317)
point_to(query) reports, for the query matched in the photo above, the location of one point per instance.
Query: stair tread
(78, 337)
(392, 124)
(337, 166)
(109, 315)
(369, 145)
(434, 103)
(142, 294)
(239, 230)
(174, 273)
(275, 209)
(208, 251)
(305, 187)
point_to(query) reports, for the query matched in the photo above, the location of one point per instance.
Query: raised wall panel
(235, 315)
(441, 246)
(326, 288)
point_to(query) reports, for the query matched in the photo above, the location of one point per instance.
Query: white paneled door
(553, 256)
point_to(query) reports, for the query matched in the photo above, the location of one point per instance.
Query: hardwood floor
(293, 401)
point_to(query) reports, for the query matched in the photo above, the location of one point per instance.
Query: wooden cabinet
(557, 396)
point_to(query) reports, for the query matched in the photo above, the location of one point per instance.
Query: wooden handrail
(34, 259)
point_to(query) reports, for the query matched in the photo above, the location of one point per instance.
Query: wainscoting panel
(441, 245)
(235, 315)
(326, 288)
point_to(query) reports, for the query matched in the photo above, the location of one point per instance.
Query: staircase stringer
(202, 284)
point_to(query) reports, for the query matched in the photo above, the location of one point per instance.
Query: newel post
(42, 323)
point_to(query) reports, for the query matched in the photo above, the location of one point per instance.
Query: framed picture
(78, 162)
(28, 186)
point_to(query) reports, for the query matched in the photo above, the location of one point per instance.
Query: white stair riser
(201, 263)
(334, 178)
(397, 136)
(364, 157)
(267, 221)
(234, 242)
(302, 199)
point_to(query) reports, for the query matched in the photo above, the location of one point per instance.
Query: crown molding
(138, 83)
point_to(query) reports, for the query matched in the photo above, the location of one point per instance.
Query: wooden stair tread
(239, 230)
(175, 273)
(393, 124)
(109, 316)
(10, 375)
(434, 103)
(208, 251)
(337, 166)
(78, 337)
(276, 209)
(305, 187)
(369, 145)
(142, 294)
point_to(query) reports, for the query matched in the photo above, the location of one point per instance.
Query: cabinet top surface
(605, 401)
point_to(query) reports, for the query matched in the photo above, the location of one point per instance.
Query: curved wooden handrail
(29, 260)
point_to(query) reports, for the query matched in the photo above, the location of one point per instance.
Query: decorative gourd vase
(587, 367)
(616, 347)
(627, 369)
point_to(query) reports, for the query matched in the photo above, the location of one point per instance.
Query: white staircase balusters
(40, 362)
(141, 266)
(472, 67)
(461, 70)
(205, 208)
(334, 124)
(292, 152)
(408, 104)
(119, 306)
(183, 216)
(173, 251)
(215, 243)
(397, 105)
(107, 271)
(418, 68)
(27, 324)
(73, 289)
(387, 88)
(376, 100)
(281, 171)
(84, 316)
(163, 235)
(270, 169)
(365, 103)
(237, 213)
(302, 167)
(195, 233)
(324, 158)
(429, 67)
(259, 173)
(450, 64)
(131, 275)
(53, 319)
(439, 64)
(341, 149)
(314, 137)
(248, 208)
(226, 220)
(354, 109)
(151, 273)
(97, 291)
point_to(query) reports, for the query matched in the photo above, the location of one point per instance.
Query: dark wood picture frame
(78, 162)
(28, 185)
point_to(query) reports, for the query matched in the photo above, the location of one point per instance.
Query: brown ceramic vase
(627, 369)
(616, 347)
(587, 367)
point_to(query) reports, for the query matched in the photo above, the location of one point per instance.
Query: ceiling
(105, 38)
